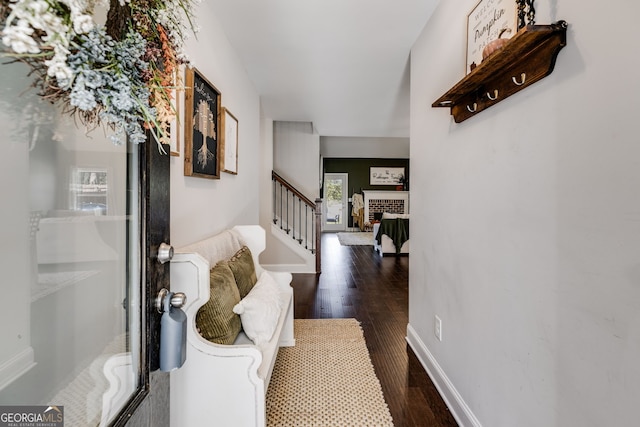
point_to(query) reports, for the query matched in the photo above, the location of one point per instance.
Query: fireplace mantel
(391, 196)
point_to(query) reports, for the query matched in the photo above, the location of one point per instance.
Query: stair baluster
(297, 228)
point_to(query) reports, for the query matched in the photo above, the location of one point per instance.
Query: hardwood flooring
(357, 282)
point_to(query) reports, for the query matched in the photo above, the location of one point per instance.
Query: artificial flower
(121, 76)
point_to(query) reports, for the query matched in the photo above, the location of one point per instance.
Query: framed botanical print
(202, 148)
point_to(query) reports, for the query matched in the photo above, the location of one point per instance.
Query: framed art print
(229, 142)
(202, 146)
(385, 176)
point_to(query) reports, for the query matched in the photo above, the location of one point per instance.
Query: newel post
(318, 236)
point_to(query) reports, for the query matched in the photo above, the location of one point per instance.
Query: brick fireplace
(385, 201)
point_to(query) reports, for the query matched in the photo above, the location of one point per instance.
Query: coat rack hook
(495, 95)
(523, 78)
(472, 110)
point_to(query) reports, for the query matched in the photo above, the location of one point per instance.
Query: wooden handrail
(291, 188)
(316, 219)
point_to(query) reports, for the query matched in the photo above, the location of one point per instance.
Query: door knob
(176, 300)
(165, 253)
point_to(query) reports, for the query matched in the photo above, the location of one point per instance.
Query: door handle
(176, 300)
(165, 253)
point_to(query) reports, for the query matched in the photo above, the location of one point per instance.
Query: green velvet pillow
(243, 270)
(216, 320)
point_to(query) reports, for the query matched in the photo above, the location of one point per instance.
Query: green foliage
(333, 190)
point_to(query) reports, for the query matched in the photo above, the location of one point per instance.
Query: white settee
(383, 243)
(224, 385)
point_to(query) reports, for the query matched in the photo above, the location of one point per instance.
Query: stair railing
(297, 215)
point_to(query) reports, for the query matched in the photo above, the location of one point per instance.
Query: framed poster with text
(386, 176)
(485, 23)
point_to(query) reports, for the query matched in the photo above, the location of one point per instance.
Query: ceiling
(341, 64)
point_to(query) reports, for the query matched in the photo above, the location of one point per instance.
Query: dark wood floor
(356, 282)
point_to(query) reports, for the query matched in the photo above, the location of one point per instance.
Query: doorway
(335, 211)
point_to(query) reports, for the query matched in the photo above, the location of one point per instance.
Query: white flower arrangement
(121, 75)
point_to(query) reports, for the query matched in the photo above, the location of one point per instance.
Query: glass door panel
(335, 202)
(71, 261)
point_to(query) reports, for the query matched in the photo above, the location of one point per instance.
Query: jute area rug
(357, 238)
(327, 379)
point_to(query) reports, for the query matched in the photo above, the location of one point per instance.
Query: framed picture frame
(229, 136)
(386, 176)
(485, 23)
(202, 110)
(89, 190)
(177, 124)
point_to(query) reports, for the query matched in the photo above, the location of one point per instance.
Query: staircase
(296, 218)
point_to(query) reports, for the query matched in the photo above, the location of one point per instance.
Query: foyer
(374, 290)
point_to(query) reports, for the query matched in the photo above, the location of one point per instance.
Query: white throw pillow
(388, 215)
(260, 309)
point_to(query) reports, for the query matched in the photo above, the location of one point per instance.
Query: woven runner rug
(357, 238)
(326, 380)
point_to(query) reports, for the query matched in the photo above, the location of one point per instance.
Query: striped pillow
(216, 320)
(244, 271)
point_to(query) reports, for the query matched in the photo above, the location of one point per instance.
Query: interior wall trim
(307, 259)
(456, 404)
(16, 366)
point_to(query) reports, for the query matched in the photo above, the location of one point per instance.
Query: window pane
(333, 199)
(71, 267)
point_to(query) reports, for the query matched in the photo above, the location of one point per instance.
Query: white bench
(223, 385)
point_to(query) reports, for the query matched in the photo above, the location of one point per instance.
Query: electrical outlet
(438, 328)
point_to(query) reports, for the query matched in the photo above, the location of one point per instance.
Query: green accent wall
(358, 171)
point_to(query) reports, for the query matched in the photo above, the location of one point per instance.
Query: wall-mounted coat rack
(529, 56)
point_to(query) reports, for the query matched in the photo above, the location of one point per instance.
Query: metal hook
(495, 95)
(523, 78)
(475, 107)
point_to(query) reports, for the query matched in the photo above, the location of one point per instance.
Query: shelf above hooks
(529, 56)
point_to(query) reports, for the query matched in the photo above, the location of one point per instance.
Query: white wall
(294, 150)
(202, 207)
(278, 256)
(357, 147)
(296, 154)
(529, 249)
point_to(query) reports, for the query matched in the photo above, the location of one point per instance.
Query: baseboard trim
(15, 367)
(289, 268)
(456, 404)
(308, 264)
